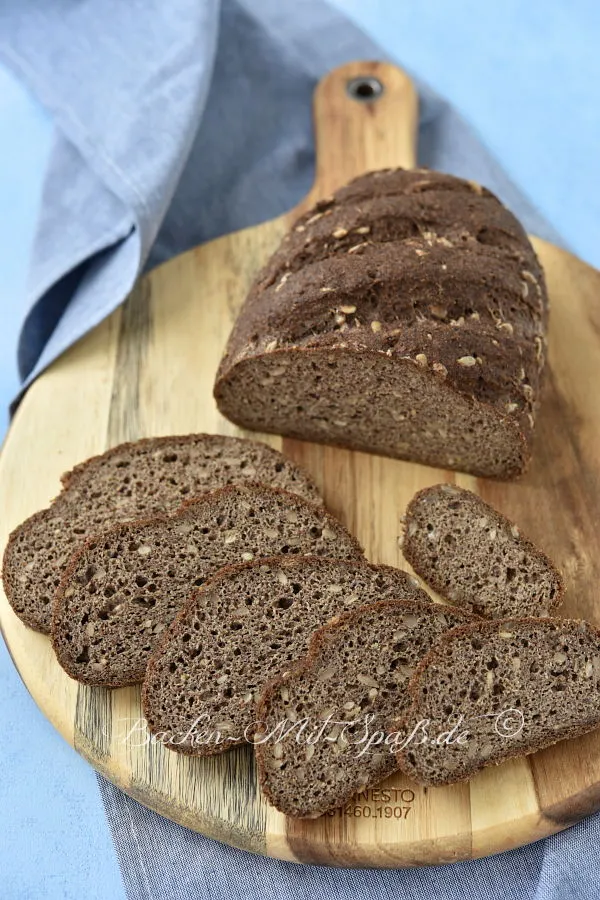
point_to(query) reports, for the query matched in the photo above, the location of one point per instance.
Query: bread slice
(356, 672)
(245, 626)
(405, 316)
(474, 557)
(132, 481)
(493, 690)
(125, 586)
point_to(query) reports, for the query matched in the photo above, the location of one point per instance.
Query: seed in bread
(356, 672)
(132, 481)
(244, 627)
(475, 557)
(125, 586)
(499, 689)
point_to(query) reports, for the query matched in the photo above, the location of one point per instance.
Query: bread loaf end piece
(475, 557)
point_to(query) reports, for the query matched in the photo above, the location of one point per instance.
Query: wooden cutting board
(149, 369)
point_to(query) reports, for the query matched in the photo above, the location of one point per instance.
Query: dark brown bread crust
(438, 273)
(453, 217)
(390, 283)
(282, 602)
(487, 545)
(439, 658)
(108, 488)
(123, 587)
(393, 181)
(318, 652)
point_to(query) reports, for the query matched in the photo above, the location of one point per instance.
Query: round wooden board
(149, 369)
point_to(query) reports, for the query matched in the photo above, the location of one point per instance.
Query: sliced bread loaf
(125, 586)
(245, 626)
(131, 481)
(405, 316)
(474, 557)
(493, 690)
(324, 723)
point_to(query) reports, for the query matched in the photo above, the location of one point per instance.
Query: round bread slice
(247, 625)
(475, 557)
(324, 724)
(149, 477)
(494, 690)
(125, 586)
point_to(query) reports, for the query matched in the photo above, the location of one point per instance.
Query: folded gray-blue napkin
(175, 123)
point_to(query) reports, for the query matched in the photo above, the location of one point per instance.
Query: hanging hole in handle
(365, 88)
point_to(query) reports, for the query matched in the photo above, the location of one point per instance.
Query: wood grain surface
(149, 370)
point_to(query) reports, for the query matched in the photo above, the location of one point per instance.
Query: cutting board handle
(366, 117)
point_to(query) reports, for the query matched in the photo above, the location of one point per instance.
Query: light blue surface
(526, 75)
(53, 837)
(54, 842)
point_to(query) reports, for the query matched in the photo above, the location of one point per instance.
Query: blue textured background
(526, 74)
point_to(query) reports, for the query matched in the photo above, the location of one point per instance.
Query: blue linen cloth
(175, 123)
